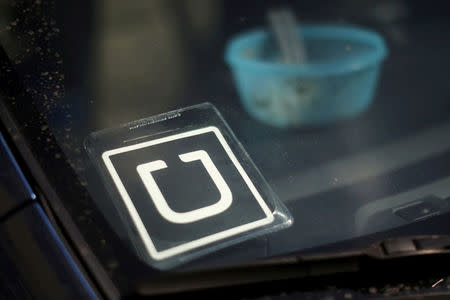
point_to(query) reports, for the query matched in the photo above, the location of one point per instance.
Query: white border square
(144, 234)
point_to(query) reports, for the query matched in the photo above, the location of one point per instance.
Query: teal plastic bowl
(338, 81)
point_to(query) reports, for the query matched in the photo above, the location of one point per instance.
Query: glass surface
(86, 66)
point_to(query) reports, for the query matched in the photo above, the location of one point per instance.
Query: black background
(186, 186)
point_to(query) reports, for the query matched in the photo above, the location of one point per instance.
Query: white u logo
(144, 171)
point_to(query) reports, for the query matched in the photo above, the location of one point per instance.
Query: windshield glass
(343, 107)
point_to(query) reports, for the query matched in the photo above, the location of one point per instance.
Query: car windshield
(338, 112)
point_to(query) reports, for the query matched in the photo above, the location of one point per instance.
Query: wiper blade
(299, 266)
(411, 246)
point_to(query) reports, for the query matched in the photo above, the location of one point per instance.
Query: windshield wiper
(391, 256)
